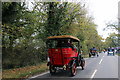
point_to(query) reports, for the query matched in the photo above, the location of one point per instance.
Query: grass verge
(85, 56)
(24, 72)
(118, 54)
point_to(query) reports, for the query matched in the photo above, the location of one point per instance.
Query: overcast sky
(103, 11)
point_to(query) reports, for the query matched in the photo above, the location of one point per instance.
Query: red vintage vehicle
(64, 56)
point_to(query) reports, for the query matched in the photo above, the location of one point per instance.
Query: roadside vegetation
(24, 72)
(118, 54)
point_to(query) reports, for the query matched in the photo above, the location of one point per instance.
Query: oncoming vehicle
(110, 51)
(93, 52)
(63, 54)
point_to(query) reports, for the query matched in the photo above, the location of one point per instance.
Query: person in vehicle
(65, 43)
(91, 50)
(59, 43)
(109, 50)
(74, 46)
(94, 49)
(104, 50)
(113, 50)
(70, 44)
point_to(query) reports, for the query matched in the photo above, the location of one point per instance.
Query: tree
(25, 31)
(17, 31)
(112, 40)
(114, 26)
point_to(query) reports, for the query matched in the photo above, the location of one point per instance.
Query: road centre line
(100, 61)
(103, 56)
(93, 73)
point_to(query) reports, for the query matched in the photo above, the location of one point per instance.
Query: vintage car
(93, 53)
(111, 51)
(63, 56)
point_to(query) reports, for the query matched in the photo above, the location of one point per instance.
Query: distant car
(118, 50)
(93, 53)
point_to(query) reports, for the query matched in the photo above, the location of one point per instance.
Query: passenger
(74, 47)
(104, 50)
(113, 50)
(70, 44)
(59, 43)
(109, 50)
(94, 49)
(91, 50)
(66, 43)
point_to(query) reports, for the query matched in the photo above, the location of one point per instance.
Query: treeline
(24, 30)
(114, 38)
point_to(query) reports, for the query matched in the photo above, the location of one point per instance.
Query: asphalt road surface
(95, 67)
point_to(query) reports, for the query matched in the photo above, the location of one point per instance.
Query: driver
(94, 49)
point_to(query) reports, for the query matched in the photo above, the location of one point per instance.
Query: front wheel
(83, 64)
(73, 69)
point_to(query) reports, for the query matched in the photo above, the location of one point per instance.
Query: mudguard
(70, 63)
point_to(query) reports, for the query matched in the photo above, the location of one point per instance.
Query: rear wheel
(52, 69)
(94, 54)
(97, 54)
(73, 69)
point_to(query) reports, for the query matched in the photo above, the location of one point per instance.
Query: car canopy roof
(75, 39)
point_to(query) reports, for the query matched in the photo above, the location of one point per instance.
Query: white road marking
(100, 61)
(40, 74)
(94, 73)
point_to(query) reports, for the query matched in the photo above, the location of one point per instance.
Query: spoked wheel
(52, 69)
(97, 55)
(73, 69)
(83, 64)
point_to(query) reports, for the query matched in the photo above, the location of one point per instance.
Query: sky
(103, 11)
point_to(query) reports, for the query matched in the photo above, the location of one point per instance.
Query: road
(101, 67)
